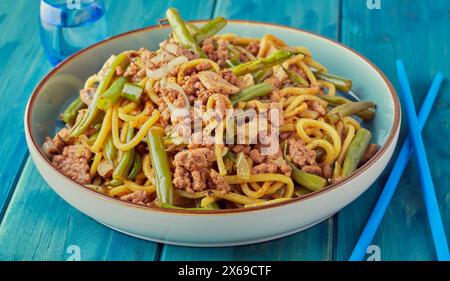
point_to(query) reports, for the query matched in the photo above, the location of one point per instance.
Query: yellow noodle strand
(97, 158)
(118, 190)
(136, 187)
(315, 64)
(138, 137)
(255, 194)
(348, 139)
(330, 86)
(190, 64)
(263, 178)
(305, 122)
(311, 77)
(104, 131)
(326, 146)
(300, 91)
(275, 187)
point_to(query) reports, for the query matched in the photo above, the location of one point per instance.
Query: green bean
(182, 33)
(112, 95)
(250, 93)
(137, 166)
(192, 28)
(309, 181)
(132, 91)
(93, 111)
(263, 63)
(341, 83)
(160, 164)
(114, 183)
(365, 115)
(126, 161)
(213, 205)
(71, 112)
(356, 151)
(348, 109)
(94, 136)
(295, 78)
(261, 75)
(110, 151)
(209, 29)
(232, 62)
(301, 191)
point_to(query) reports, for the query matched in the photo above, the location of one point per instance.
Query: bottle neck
(71, 13)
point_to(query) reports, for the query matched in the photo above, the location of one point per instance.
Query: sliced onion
(214, 82)
(175, 111)
(164, 70)
(242, 166)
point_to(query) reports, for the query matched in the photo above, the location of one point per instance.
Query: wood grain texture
(315, 243)
(22, 65)
(419, 33)
(38, 225)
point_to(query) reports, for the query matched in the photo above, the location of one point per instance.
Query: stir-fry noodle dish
(210, 121)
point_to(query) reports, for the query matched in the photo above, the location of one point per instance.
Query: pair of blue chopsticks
(414, 140)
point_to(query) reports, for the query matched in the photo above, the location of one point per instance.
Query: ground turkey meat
(219, 182)
(195, 90)
(269, 163)
(140, 197)
(73, 162)
(216, 50)
(193, 171)
(229, 76)
(305, 158)
(317, 107)
(312, 169)
(253, 47)
(55, 145)
(87, 94)
(300, 154)
(241, 148)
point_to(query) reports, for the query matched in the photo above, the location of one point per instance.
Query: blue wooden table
(38, 225)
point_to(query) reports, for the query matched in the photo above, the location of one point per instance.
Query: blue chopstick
(434, 216)
(394, 178)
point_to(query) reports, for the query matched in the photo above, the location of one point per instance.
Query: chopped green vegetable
(160, 164)
(112, 95)
(250, 93)
(132, 91)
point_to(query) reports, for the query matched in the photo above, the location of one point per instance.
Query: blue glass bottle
(66, 26)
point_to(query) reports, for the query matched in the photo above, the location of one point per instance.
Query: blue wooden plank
(317, 242)
(38, 225)
(419, 33)
(22, 65)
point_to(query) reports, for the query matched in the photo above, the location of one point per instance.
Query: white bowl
(222, 227)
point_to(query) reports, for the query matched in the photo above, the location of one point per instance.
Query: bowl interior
(62, 85)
